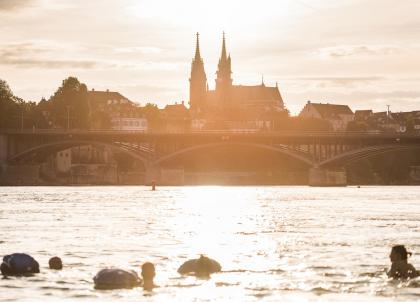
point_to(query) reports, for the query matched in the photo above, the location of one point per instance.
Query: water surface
(274, 243)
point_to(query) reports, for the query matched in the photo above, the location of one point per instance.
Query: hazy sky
(365, 53)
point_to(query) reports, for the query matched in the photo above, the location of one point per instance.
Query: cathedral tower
(198, 81)
(224, 72)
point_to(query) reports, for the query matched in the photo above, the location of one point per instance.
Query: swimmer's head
(5, 269)
(55, 263)
(399, 252)
(148, 271)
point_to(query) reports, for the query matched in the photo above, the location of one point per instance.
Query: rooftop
(329, 110)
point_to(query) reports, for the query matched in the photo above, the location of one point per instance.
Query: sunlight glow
(216, 225)
(217, 15)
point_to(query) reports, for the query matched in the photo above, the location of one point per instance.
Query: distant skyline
(365, 54)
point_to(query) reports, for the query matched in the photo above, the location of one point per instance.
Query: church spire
(224, 71)
(223, 56)
(197, 48)
(198, 80)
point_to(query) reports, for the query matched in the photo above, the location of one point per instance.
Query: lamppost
(68, 117)
(21, 119)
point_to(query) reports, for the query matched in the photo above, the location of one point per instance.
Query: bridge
(325, 153)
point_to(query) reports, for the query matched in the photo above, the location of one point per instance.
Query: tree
(5, 92)
(153, 116)
(69, 105)
(10, 107)
(42, 115)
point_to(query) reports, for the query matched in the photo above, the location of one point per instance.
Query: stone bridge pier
(152, 173)
(322, 177)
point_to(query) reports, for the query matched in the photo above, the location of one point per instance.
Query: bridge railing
(210, 132)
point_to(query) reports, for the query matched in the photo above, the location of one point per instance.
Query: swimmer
(400, 268)
(201, 267)
(148, 273)
(115, 278)
(19, 264)
(55, 263)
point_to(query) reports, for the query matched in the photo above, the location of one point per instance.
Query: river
(274, 243)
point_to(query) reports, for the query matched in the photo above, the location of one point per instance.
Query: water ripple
(274, 243)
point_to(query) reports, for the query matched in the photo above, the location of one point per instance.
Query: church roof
(257, 93)
(107, 97)
(176, 110)
(331, 110)
(251, 95)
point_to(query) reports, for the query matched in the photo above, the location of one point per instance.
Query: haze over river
(274, 243)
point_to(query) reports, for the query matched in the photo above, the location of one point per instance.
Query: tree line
(68, 107)
(70, 97)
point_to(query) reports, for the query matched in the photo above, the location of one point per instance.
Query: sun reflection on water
(274, 243)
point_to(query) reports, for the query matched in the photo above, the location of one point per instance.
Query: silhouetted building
(111, 110)
(82, 165)
(337, 115)
(397, 122)
(227, 98)
(177, 118)
(407, 121)
(362, 115)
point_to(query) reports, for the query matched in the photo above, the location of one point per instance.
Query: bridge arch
(54, 147)
(300, 156)
(346, 158)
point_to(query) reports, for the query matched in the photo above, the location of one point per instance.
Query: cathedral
(226, 97)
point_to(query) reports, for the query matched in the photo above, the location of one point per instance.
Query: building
(407, 121)
(82, 165)
(129, 123)
(111, 110)
(176, 117)
(62, 161)
(363, 115)
(227, 102)
(338, 116)
(387, 121)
